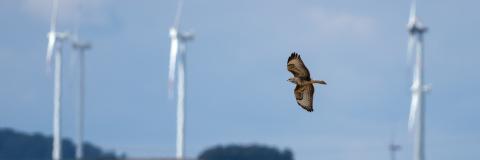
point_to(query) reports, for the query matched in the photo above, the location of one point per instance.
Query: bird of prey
(301, 77)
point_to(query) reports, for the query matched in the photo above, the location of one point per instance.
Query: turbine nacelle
(183, 36)
(53, 38)
(81, 45)
(186, 36)
(63, 36)
(416, 26)
(415, 29)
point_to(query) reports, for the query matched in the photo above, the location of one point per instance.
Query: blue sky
(237, 89)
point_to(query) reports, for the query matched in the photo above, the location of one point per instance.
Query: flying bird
(301, 77)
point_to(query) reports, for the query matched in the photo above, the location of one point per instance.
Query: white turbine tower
(81, 47)
(177, 50)
(416, 30)
(55, 37)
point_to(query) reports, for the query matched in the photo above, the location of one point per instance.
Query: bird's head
(293, 80)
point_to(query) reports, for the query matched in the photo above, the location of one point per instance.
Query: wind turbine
(177, 50)
(81, 47)
(55, 51)
(416, 29)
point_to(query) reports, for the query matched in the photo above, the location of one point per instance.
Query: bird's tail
(320, 82)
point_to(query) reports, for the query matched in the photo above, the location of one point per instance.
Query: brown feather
(304, 96)
(298, 92)
(296, 66)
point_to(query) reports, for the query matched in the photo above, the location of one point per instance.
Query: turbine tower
(177, 50)
(55, 50)
(416, 29)
(81, 47)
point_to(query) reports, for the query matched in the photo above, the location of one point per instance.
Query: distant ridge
(15, 145)
(245, 152)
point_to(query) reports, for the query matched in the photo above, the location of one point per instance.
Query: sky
(236, 69)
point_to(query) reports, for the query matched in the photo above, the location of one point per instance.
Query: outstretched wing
(304, 96)
(296, 66)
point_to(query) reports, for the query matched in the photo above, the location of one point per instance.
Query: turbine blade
(51, 44)
(52, 34)
(411, 44)
(413, 111)
(176, 22)
(413, 10)
(53, 17)
(173, 60)
(416, 89)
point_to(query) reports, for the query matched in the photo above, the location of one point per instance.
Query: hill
(245, 152)
(23, 146)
